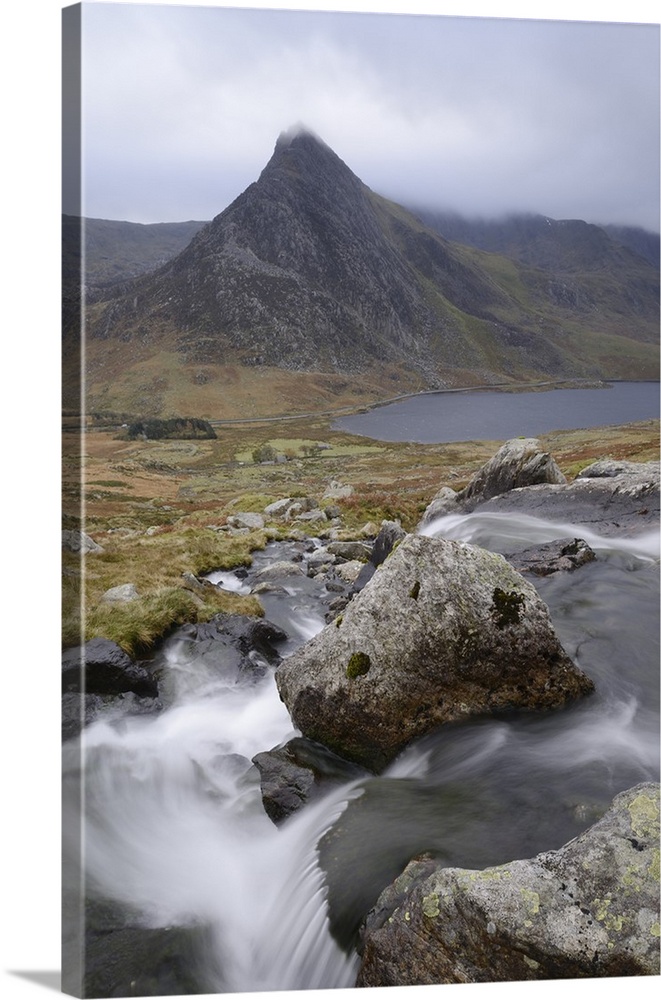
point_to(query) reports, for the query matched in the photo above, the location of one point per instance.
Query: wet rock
(443, 631)
(300, 770)
(238, 646)
(106, 669)
(123, 957)
(589, 909)
(563, 555)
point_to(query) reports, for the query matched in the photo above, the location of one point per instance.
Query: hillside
(311, 290)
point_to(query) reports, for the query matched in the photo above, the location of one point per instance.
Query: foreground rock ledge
(443, 631)
(589, 909)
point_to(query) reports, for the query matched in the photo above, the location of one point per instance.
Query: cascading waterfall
(174, 823)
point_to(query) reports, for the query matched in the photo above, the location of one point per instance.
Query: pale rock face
(518, 463)
(589, 909)
(443, 631)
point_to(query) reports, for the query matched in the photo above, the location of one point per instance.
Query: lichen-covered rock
(443, 631)
(589, 909)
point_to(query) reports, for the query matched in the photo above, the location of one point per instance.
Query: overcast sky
(183, 105)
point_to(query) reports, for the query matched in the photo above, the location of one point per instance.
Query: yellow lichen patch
(430, 905)
(531, 900)
(655, 929)
(644, 812)
(600, 908)
(655, 866)
(530, 962)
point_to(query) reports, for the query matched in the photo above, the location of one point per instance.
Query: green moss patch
(358, 665)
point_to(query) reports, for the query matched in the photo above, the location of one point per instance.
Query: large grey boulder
(518, 463)
(589, 909)
(443, 631)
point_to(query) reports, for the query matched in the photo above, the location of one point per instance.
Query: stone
(625, 503)
(587, 910)
(337, 491)
(78, 541)
(443, 631)
(246, 519)
(350, 550)
(563, 555)
(277, 569)
(279, 507)
(107, 670)
(297, 772)
(122, 594)
(518, 463)
(349, 571)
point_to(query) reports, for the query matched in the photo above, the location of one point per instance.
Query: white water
(175, 827)
(174, 823)
(515, 532)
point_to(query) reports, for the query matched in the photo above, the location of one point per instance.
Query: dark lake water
(480, 415)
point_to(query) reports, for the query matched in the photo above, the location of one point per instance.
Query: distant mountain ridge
(310, 273)
(543, 242)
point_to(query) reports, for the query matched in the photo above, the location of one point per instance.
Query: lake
(485, 415)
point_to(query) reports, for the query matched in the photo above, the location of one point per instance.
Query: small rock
(78, 541)
(248, 519)
(337, 491)
(122, 594)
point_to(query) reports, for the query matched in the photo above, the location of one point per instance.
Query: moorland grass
(180, 533)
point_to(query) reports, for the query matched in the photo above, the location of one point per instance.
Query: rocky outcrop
(589, 909)
(615, 497)
(443, 631)
(519, 463)
(621, 501)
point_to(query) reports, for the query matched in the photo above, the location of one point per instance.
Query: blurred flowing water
(174, 825)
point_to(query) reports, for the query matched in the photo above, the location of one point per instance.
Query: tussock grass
(155, 564)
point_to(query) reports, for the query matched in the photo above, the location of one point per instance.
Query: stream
(174, 823)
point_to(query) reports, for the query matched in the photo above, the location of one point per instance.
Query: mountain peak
(297, 131)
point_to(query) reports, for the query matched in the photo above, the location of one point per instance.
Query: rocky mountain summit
(308, 270)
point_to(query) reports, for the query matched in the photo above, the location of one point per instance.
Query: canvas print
(360, 573)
